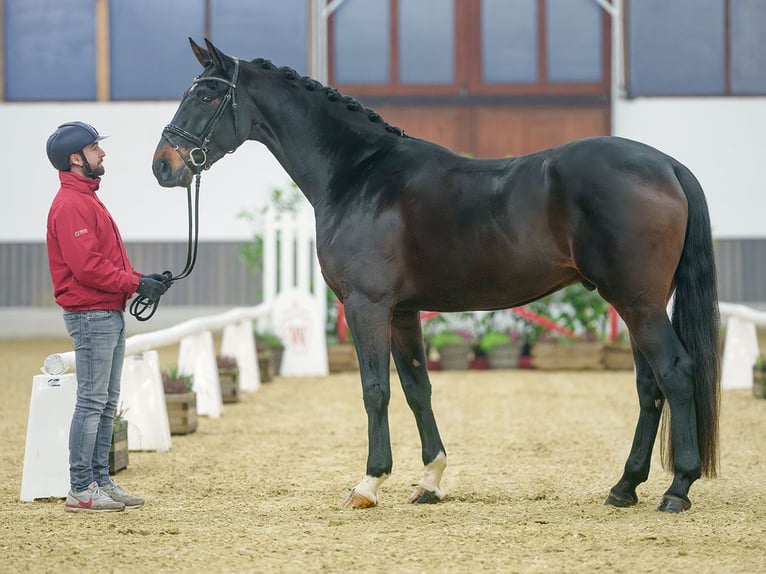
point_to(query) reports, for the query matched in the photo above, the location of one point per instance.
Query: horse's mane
(332, 94)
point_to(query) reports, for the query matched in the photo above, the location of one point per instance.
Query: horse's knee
(375, 397)
(678, 380)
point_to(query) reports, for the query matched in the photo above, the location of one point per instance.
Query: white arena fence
(294, 308)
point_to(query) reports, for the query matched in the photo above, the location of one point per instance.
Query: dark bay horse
(404, 225)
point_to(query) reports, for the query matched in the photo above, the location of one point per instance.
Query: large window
(50, 50)
(696, 47)
(53, 51)
(150, 57)
(463, 47)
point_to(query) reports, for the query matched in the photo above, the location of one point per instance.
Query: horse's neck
(316, 140)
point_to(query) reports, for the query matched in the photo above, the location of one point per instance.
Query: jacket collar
(77, 182)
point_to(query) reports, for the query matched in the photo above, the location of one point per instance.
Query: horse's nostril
(161, 170)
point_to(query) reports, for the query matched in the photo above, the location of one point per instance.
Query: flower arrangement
(177, 383)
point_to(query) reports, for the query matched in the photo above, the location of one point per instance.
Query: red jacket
(87, 258)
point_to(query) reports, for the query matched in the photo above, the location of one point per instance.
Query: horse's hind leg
(636, 471)
(409, 356)
(652, 332)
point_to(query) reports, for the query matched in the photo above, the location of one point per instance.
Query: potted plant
(451, 338)
(118, 454)
(181, 401)
(759, 377)
(269, 345)
(228, 377)
(499, 340)
(583, 313)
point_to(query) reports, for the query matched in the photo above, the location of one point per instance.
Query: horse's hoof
(620, 501)
(355, 501)
(673, 504)
(423, 496)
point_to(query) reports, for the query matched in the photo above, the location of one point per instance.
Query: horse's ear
(201, 54)
(217, 57)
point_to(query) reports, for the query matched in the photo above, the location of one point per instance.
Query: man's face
(95, 156)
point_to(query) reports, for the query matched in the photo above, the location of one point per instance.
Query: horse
(404, 225)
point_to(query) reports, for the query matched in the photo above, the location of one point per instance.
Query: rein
(143, 308)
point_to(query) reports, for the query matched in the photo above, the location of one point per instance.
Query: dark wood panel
(498, 131)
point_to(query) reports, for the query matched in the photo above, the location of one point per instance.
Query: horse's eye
(205, 97)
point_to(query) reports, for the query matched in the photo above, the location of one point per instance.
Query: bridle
(197, 158)
(143, 308)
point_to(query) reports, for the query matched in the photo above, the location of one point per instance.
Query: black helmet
(69, 138)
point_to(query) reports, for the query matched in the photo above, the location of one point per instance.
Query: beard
(99, 170)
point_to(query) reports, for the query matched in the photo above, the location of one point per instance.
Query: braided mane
(332, 94)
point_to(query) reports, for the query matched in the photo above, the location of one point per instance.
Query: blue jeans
(99, 347)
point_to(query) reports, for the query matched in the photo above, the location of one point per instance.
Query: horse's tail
(696, 320)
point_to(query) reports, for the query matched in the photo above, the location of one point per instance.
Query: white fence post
(296, 291)
(196, 357)
(238, 341)
(142, 399)
(46, 455)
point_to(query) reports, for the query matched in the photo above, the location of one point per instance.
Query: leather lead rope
(142, 307)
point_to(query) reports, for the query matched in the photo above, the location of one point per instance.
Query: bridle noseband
(197, 159)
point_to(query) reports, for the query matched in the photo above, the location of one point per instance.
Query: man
(92, 280)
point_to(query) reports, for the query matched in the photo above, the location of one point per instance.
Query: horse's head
(207, 124)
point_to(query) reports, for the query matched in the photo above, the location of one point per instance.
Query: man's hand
(151, 288)
(164, 277)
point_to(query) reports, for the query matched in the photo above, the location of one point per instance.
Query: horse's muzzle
(169, 169)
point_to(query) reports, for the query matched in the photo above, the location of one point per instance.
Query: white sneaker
(116, 492)
(92, 499)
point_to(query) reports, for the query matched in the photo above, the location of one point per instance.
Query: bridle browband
(143, 308)
(197, 159)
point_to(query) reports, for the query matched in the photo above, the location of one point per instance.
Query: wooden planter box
(118, 454)
(578, 355)
(618, 357)
(229, 379)
(264, 365)
(182, 412)
(455, 356)
(759, 382)
(505, 356)
(342, 358)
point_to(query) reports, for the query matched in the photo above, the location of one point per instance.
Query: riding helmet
(69, 138)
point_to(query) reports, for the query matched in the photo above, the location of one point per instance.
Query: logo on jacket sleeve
(82, 231)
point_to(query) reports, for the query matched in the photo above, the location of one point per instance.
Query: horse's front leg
(410, 359)
(370, 325)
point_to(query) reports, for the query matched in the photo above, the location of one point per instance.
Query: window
(469, 47)
(426, 41)
(50, 50)
(277, 31)
(696, 47)
(748, 47)
(361, 42)
(150, 57)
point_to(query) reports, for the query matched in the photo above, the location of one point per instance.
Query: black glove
(164, 277)
(151, 288)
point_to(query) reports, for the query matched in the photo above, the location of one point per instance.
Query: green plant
(175, 382)
(581, 311)
(281, 201)
(492, 339)
(265, 340)
(760, 363)
(446, 338)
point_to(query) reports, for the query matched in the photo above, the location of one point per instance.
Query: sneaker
(92, 499)
(116, 492)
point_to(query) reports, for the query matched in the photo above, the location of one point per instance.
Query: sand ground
(532, 456)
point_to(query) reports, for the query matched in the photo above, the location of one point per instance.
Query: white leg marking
(433, 475)
(369, 487)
